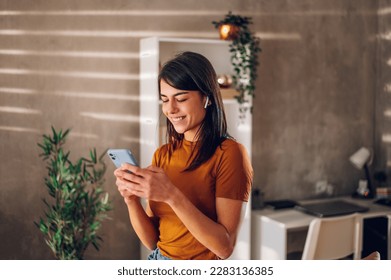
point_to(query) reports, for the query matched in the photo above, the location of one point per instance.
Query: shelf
(229, 93)
(193, 41)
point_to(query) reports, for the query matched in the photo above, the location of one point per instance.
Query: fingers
(128, 188)
(125, 175)
(132, 168)
(123, 190)
(141, 182)
(137, 192)
(139, 172)
(154, 169)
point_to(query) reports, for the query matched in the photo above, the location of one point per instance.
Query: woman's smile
(177, 119)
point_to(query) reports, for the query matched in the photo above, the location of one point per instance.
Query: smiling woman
(199, 183)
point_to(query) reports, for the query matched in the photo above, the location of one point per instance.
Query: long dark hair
(192, 71)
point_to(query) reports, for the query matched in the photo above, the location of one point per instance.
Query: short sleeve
(234, 173)
(155, 158)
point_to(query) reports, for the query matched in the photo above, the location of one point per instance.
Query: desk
(270, 228)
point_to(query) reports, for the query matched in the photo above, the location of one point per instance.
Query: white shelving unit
(154, 52)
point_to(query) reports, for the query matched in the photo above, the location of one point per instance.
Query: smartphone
(119, 156)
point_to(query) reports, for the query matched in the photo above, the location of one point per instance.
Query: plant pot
(228, 31)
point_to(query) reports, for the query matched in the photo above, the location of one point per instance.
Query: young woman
(198, 184)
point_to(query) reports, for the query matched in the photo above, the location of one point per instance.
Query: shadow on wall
(70, 64)
(20, 238)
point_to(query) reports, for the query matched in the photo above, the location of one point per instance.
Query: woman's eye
(177, 100)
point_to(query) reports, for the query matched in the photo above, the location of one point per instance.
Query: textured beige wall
(317, 94)
(383, 102)
(74, 64)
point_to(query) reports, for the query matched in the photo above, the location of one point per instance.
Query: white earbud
(206, 103)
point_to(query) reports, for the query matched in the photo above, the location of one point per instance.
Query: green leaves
(79, 204)
(237, 20)
(244, 51)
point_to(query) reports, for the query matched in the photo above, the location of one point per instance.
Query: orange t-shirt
(227, 174)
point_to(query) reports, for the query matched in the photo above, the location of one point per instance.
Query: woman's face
(183, 108)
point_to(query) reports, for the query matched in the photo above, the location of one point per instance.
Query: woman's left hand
(150, 183)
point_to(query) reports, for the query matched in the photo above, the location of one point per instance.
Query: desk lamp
(361, 159)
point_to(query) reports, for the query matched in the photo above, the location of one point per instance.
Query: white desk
(270, 228)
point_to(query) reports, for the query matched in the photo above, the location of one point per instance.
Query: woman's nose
(170, 107)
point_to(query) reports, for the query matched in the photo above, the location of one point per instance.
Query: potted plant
(78, 203)
(244, 50)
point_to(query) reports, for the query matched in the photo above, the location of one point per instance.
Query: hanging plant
(244, 50)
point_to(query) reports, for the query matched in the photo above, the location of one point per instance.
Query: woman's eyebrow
(176, 94)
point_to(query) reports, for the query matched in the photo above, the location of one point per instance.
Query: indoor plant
(244, 50)
(78, 203)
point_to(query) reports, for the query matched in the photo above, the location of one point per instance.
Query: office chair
(334, 238)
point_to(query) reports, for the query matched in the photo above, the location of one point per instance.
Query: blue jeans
(156, 255)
